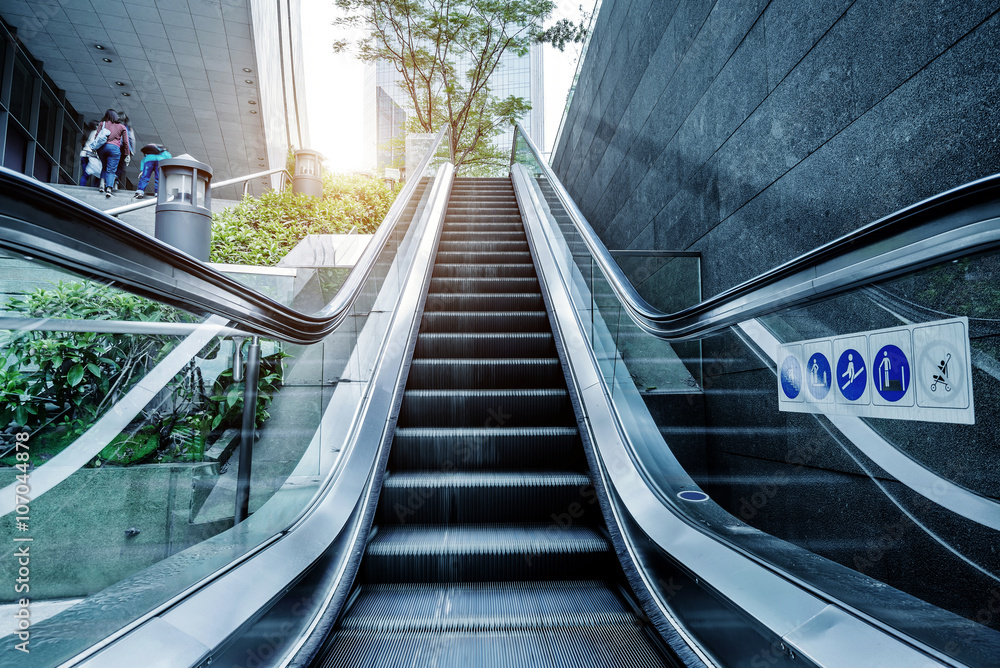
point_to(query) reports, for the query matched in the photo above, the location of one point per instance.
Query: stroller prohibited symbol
(941, 375)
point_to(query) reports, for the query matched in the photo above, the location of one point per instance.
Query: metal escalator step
(484, 301)
(486, 246)
(462, 497)
(486, 408)
(603, 646)
(485, 344)
(467, 271)
(485, 552)
(506, 284)
(482, 235)
(472, 606)
(485, 321)
(490, 447)
(471, 373)
(483, 257)
(496, 218)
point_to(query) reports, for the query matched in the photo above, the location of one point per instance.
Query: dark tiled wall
(753, 131)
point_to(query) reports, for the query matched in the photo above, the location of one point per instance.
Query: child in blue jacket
(153, 154)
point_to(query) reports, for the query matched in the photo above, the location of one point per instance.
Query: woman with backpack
(111, 151)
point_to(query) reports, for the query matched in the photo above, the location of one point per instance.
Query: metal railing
(286, 178)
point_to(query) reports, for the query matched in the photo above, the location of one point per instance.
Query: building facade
(386, 102)
(220, 80)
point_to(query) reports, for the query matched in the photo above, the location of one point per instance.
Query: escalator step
(485, 605)
(488, 373)
(603, 646)
(485, 552)
(485, 321)
(493, 447)
(486, 408)
(453, 497)
(480, 285)
(483, 257)
(496, 218)
(514, 224)
(485, 344)
(482, 235)
(484, 301)
(472, 246)
(484, 270)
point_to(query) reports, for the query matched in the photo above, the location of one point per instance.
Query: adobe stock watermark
(22, 540)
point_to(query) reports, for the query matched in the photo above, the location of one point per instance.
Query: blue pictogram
(892, 372)
(819, 375)
(851, 376)
(791, 377)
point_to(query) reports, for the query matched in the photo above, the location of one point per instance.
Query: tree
(446, 51)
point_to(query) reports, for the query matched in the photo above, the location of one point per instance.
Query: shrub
(262, 231)
(57, 384)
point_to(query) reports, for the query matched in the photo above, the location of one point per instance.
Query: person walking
(90, 131)
(126, 158)
(111, 152)
(150, 166)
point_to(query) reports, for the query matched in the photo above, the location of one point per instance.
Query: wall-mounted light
(107, 60)
(253, 111)
(251, 102)
(247, 69)
(127, 94)
(249, 81)
(119, 83)
(99, 47)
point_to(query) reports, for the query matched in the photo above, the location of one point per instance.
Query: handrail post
(247, 432)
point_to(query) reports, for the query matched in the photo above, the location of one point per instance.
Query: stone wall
(754, 131)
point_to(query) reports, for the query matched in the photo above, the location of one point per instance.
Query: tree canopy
(446, 51)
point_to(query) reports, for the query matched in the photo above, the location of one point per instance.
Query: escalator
(489, 547)
(493, 450)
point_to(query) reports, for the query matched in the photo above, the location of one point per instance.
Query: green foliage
(68, 377)
(57, 384)
(262, 231)
(446, 52)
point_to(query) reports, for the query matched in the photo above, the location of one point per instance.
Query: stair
(488, 546)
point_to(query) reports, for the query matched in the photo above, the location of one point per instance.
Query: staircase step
(493, 447)
(485, 321)
(461, 497)
(485, 344)
(487, 408)
(485, 552)
(461, 374)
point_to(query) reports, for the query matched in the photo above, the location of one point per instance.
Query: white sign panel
(916, 372)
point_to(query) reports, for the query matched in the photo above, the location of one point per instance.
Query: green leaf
(75, 375)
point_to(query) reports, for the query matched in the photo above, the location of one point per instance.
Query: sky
(334, 86)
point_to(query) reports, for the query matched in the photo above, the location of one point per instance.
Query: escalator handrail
(956, 222)
(45, 224)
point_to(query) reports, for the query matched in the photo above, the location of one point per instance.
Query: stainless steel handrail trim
(919, 235)
(789, 611)
(196, 622)
(134, 206)
(45, 224)
(109, 326)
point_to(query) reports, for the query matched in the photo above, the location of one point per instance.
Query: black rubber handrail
(44, 224)
(952, 224)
